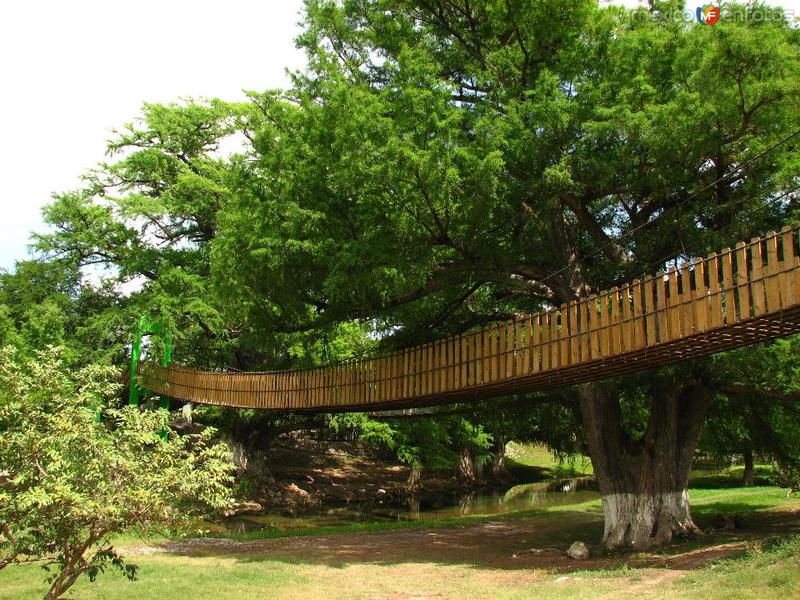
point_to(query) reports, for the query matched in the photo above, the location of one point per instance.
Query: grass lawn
(536, 461)
(517, 555)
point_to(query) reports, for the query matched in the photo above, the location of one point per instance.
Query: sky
(73, 71)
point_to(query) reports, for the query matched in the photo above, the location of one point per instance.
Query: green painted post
(166, 359)
(136, 353)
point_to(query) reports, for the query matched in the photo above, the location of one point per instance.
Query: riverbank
(306, 476)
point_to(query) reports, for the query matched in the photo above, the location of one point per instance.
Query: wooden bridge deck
(732, 298)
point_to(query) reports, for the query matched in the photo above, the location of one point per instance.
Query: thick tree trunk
(643, 482)
(747, 478)
(414, 478)
(467, 471)
(499, 469)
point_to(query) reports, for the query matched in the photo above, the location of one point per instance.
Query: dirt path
(530, 543)
(512, 557)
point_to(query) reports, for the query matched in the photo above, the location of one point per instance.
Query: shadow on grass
(528, 541)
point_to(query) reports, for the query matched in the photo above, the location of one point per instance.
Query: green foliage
(757, 407)
(787, 475)
(69, 480)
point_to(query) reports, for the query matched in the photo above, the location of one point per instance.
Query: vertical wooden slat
(638, 316)
(772, 282)
(486, 353)
(756, 277)
(583, 316)
(594, 326)
(673, 318)
(700, 296)
(555, 342)
(536, 344)
(728, 286)
(715, 291)
(686, 312)
(501, 339)
(662, 317)
(616, 321)
(519, 346)
(573, 333)
(464, 361)
(742, 281)
(546, 349)
(627, 321)
(789, 290)
(563, 337)
(509, 358)
(650, 310)
(605, 337)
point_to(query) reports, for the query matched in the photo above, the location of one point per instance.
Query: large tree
(446, 163)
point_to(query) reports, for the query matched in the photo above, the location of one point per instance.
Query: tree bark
(747, 478)
(467, 471)
(499, 469)
(643, 482)
(414, 478)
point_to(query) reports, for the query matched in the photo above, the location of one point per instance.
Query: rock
(239, 508)
(295, 489)
(578, 551)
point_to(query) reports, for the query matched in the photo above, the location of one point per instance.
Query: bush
(73, 473)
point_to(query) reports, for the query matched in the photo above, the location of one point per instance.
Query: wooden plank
(713, 264)
(728, 286)
(562, 333)
(594, 326)
(555, 345)
(788, 288)
(649, 311)
(585, 334)
(700, 296)
(686, 312)
(615, 344)
(464, 361)
(429, 368)
(574, 333)
(501, 340)
(519, 344)
(757, 277)
(486, 353)
(662, 317)
(393, 371)
(546, 338)
(537, 345)
(772, 282)
(605, 318)
(673, 306)
(436, 371)
(509, 329)
(627, 325)
(742, 282)
(638, 316)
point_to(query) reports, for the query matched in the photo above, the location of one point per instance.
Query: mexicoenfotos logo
(708, 15)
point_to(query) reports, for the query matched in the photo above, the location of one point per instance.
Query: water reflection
(423, 507)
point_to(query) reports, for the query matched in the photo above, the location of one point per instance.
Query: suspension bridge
(728, 299)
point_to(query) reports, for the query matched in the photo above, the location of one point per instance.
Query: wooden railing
(732, 298)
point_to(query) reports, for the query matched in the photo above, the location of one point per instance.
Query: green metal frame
(145, 327)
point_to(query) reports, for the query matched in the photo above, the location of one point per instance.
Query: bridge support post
(146, 327)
